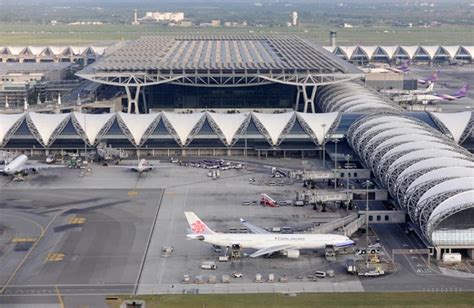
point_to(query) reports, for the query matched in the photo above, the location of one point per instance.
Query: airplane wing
(38, 166)
(269, 250)
(253, 228)
(129, 167)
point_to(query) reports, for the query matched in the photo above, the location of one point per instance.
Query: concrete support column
(470, 253)
(309, 99)
(145, 104)
(132, 98)
(298, 95)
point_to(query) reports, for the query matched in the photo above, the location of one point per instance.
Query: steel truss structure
(221, 61)
(222, 136)
(265, 131)
(125, 129)
(39, 134)
(411, 160)
(12, 129)
(104, 128)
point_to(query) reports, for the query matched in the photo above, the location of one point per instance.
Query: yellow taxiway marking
(54, 257)
(77, 221)
(23, 239)
(171, 193)
(28, 254)
(60, 298)
(132, 193)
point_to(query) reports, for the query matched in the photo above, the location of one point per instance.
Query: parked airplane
(19, 166)
(264, 242)
(459, 94)
(428, 89)
(444, 97)
(402, 69)
(433, 78)
(142, 166)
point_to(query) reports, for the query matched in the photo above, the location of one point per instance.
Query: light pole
(348, 158)
(324, 145)
(367, 220)
(335, 140)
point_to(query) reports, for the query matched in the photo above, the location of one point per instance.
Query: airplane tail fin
(196, 224)
(430, 87)
(463, 90)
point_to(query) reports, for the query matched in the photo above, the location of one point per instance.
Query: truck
(351, 266)
(209, 265)
(452, 257)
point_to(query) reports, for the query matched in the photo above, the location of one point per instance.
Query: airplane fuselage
(259, 241)
(16, 166)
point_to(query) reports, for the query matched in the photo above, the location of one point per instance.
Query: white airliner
(20, 166)
(142, 166)
(264, 242)
(428, 89)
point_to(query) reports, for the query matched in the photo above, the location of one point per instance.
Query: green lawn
(24, 34)
(395, 299)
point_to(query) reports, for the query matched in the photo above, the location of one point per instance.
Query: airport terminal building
(222, 86)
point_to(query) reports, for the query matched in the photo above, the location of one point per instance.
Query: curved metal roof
(351, 96)
(450, 206)
(449, 185)
(405, 155)
(452, 167)
(439, 162)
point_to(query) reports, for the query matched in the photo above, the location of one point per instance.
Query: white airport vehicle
(264, 242)
(20, 167)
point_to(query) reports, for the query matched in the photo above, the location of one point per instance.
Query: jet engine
(293, 253)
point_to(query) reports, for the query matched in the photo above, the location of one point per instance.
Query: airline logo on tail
(198, 227)
(196, 224)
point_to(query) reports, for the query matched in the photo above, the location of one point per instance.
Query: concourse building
(393, 53)
(425, 171)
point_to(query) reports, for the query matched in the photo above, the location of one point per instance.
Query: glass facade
(457, 229)
(169, 96)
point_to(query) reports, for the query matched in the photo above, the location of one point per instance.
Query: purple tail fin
(463, 91)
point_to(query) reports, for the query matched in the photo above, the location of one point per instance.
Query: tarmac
(128, 218)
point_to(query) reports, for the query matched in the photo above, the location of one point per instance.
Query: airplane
(402, 69)
(142, 166)
(428, 89)
(444, 97)
(459, 94)
(433, 78)
(19, 166)
(264, 242)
